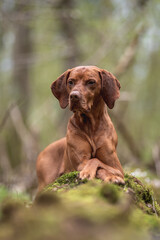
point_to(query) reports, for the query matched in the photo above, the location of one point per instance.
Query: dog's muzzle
(75, 96)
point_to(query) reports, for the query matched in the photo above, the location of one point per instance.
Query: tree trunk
(21, 53)
(68, 28)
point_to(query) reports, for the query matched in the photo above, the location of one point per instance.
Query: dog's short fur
(91, 140)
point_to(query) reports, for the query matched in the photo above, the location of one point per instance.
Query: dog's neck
(90, 121)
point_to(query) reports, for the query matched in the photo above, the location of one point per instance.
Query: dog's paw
(114, 179)
(86, 173)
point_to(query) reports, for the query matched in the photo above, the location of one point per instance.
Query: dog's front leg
(79, 155)
(95, 168)
(89, 169)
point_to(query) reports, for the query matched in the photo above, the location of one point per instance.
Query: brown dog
(91, 140)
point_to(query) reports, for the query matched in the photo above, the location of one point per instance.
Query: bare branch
(124, 62)
(127, 137)
(156, 157)
(24, 177)
(28, 142)
(5, 117)
(4, 161)
(129, 53)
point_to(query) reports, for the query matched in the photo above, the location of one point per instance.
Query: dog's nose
(75, 96)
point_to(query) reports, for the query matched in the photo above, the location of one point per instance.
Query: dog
(91, 140)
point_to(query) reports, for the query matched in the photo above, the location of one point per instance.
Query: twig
(28, 142)
(5, 117)
(156, 157)
(124, 62)
(128, 55)
(127, 137)
(26, 177)
(4, 161)
(154, 208)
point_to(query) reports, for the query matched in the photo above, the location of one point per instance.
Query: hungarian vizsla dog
(91, 140)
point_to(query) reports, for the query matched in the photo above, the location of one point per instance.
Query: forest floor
(71, 208)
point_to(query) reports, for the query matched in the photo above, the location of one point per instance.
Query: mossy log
(71, 208)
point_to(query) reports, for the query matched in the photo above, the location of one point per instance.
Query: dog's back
(49, 162)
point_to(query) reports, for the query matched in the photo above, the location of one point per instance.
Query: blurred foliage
(5, 194)
(65, 34)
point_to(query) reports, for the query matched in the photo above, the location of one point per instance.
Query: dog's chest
(101, 142)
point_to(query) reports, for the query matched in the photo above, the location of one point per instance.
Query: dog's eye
(70, 83)
(91, 82)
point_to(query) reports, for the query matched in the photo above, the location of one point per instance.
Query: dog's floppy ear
(59, 89)
(110, 88)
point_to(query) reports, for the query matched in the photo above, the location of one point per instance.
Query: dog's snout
(75, 96)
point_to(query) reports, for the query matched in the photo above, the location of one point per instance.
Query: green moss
(66, 181)
(111, 192)
(10, 207)
(47, 199)
(70, 209)
(142, 192)
(143, 195)
(157, 207)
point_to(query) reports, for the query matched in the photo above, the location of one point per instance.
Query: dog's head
(80, 87)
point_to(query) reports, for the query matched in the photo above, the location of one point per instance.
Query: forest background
(39, 40)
